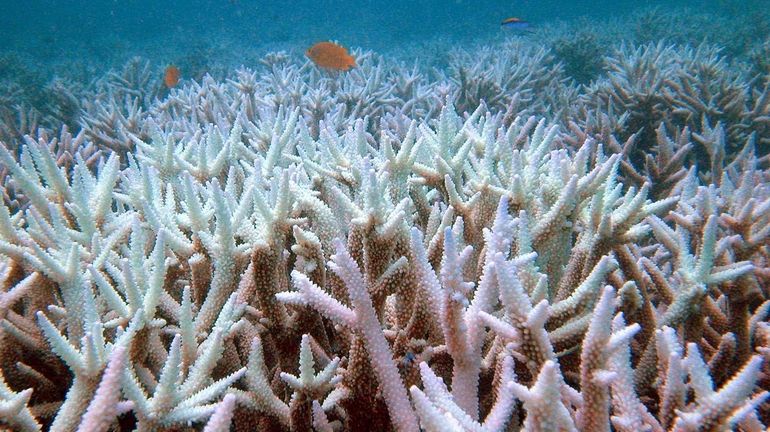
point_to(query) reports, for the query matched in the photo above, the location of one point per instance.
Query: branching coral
(468, 264)
(659, 85)
(296, 250)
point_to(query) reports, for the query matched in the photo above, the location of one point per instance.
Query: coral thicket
(525, 238)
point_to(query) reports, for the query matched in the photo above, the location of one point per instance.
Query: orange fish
(329, 55)
(171, 76)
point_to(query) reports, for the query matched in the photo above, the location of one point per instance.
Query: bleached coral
(270, 261)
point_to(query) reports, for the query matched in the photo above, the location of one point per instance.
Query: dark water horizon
(46, 28)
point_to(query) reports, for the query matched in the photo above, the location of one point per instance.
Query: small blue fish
(409, 359)
(514, 23)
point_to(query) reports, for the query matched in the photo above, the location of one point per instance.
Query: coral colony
(484, 246)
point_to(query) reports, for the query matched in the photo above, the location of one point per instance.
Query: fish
(171, 76)
(514, 23)
(329, 55)
(409, 359)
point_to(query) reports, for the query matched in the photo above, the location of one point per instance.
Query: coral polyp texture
(487, 246)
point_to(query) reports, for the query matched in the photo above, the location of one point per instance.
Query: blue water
(77, 42)
(52, 27)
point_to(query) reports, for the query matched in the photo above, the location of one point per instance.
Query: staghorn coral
(673, 102)
(395, 248)
(581, 54)
(435, 277)
(514, 73)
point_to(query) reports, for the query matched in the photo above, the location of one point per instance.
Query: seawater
(107, 29)
(76, 41)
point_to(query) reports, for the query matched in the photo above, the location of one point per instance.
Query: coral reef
(487, 246)
(580, 51)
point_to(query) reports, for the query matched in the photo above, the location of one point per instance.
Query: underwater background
(471, 215)
(261, 22)
(78, 41)
(54, 54)
(111, 30)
